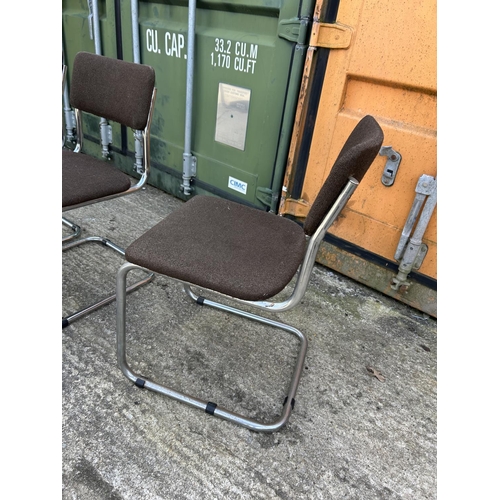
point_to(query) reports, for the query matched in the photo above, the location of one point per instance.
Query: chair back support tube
(319, 234)
(311, 252)
(79, 131)
(146, 140)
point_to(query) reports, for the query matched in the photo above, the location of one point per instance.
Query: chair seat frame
(300, 286)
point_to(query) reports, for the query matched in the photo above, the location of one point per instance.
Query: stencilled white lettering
(239, 56)
(152, 41)
(243, 59)
(174, 44)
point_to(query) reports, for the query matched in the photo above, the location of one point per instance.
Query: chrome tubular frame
(207, 406)
(79, 131)
(295, 298)
(75, 228)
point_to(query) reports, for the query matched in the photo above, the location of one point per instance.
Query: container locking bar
(188, 160)
(411, 251)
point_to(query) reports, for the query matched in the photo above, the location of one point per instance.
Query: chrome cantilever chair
(118, 91)
(197, 243)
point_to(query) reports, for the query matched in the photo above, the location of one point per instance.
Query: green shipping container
(248, 63)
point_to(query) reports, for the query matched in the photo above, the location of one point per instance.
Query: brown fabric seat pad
(223, 246)
(85, 178)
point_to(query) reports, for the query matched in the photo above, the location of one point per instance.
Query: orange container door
(382, 62)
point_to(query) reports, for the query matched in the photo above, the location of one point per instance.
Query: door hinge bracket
(294, 30)
(297, 208)
(330, 36)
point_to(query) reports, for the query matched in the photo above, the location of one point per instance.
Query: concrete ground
(351, 435)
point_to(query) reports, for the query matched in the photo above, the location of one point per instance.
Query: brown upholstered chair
(113, 90)
(199, 242)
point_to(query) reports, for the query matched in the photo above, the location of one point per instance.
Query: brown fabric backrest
(358, 153)
(113, 89)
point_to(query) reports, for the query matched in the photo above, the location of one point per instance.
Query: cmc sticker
(237, 185)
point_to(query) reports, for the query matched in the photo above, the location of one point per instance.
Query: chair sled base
(207, 406)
